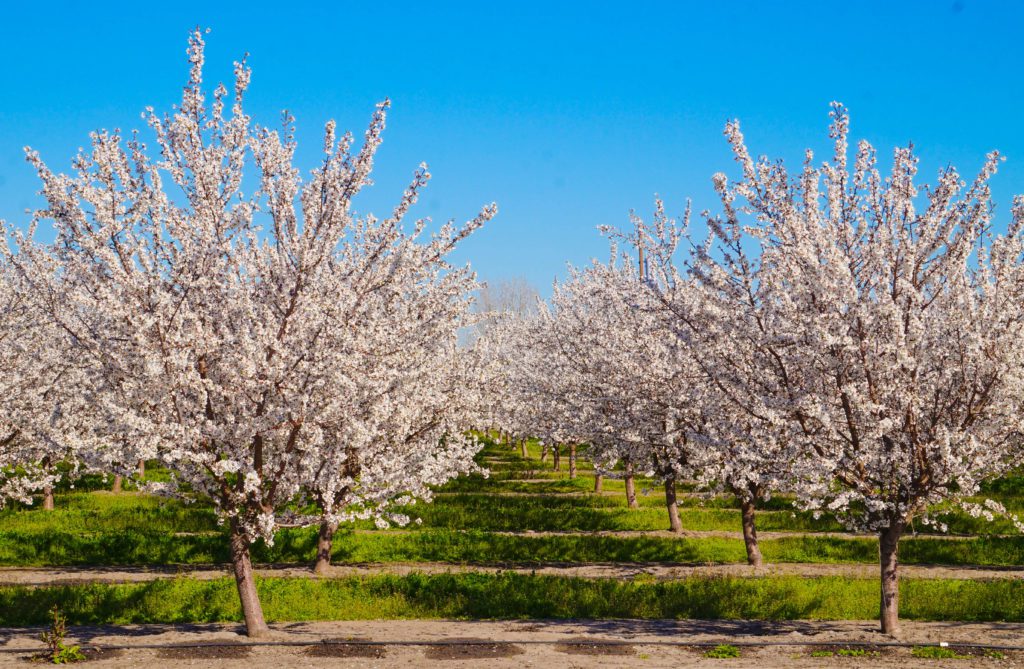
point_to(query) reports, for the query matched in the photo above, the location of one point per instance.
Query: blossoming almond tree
(24, 455)
(224, 321)
(633, 376)
(46, 433)
(712, 304)
(418, 394)
(906, 325)
(887, 328)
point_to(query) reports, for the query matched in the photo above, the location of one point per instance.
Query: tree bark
(598, 482)
(630, 488)
(572, 461)
(888, 549)
(252, 611)
(748, 509)
(48, 498)
(523, 450)
(543, 452)
(118, 481)
(675, 524)
(556, 463)
(142, 469)
(324, 544)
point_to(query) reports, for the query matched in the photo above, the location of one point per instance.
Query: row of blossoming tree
(272, 348)
(834, 336)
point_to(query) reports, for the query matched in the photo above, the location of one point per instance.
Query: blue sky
(568, 114)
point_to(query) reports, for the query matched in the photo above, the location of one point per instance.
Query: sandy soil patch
(661, 571)
(654, 643)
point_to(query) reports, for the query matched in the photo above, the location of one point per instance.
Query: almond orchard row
(840, 337)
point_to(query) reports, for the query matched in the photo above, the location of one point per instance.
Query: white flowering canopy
(262, 344)
(870, 332)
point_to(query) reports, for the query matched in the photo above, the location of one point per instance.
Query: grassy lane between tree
(513, 596)
(103, 512)
(61, 548)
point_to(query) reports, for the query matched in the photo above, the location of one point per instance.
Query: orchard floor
(563, 643)
(98, 555)
(617, 570)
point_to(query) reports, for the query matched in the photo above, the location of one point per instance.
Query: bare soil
(654, 643)
(618, 570)
(584, 646)
(205, 652)
(344, 649)
(472, 649)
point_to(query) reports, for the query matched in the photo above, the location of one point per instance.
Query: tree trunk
(142, 469)
(675, 524)
(324, 544)
(630, 488)
(598, 482)
(48, 498)
(556, 463)
(543, 452)
(117, 484)
(572, 461)
(523, 450)
(255, 626)
(888, 548)
(749, 508)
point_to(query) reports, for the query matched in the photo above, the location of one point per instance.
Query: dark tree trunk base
(324, 544)
(888, 553)
(749, 509)
(631, 492)
(252, 611)
(675, 524)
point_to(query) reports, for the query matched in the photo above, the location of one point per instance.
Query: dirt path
(71, 575)
(692, 534)
(664, 534)
(507, 644)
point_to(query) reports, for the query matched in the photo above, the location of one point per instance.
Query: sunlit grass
(511, 596)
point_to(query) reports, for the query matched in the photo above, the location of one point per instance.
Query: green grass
(102, 512)
(937, 653)
(99, 528)
(131, 529)
(723, 651)
(141, 548)
(512, 596)
(588, 513)
(106, 512)
(507, 475)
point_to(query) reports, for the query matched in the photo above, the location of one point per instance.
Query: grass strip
(512, 596)
(26, 549)
(104, 512)
(107, 512)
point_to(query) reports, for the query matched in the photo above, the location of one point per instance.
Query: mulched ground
(471, 649)
(206, 652)
(583, 646)
(342, 649)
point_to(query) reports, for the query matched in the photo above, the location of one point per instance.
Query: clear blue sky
(567, 114)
